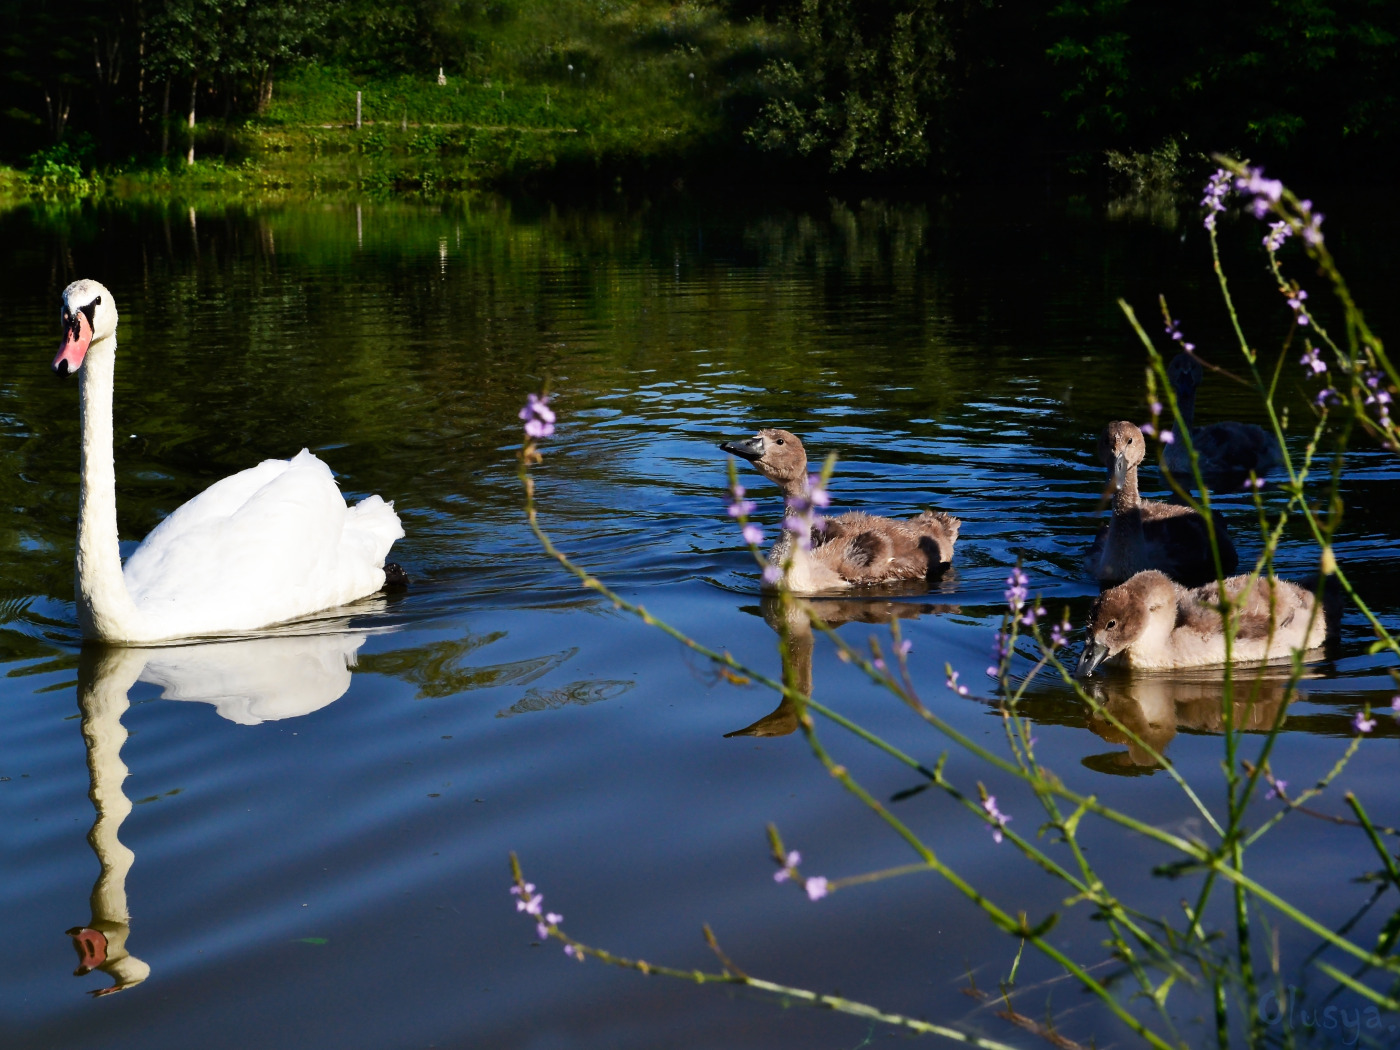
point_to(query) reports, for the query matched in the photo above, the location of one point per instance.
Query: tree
(187, 39)
(868, 86)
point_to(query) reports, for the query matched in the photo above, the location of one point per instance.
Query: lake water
(310, 830)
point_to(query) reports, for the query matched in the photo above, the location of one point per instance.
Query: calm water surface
(310, 829)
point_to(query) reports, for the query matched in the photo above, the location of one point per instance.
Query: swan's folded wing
(282, 553)
(220, 499)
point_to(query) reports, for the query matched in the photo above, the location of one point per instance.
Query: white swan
(271, 543)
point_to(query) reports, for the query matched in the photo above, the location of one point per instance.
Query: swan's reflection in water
(257, 680)
(1153, 708)
(104, 677)
(248, 681)
(801, 639)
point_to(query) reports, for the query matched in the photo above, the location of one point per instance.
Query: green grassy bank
(655, 90)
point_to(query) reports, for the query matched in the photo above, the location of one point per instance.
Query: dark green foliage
(902, 88)
(868, 86)
(1268, 76)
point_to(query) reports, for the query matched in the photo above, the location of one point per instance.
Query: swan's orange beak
(76, 337)
(91, 946)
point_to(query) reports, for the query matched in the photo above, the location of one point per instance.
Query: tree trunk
(264, 96)
(141, 85)
(107, 73)
(228, 109)
(194, 87)
(165, 121)
(57, 103)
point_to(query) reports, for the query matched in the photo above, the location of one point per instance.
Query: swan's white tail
(373, 526)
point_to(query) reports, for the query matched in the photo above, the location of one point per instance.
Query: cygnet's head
(1184, 372)
(89, 315)
(1121, 448)
(776, 454)
(1121, 615)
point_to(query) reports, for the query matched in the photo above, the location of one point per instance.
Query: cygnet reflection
(248, 680)
(800, 641)
(1153, 708)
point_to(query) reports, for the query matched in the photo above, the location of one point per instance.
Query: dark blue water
(319, 822)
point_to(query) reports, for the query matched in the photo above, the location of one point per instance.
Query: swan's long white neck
(105, 608)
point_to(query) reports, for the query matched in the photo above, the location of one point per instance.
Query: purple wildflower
(1173, 328)
(1325, 396)
(772, 575)
(1364, 722)
(802, 518)
(1001, 819)
(539, 417)
(1001, 649)
(817, 887)
(1217, 189)
(753, 534)
(1395, 706)
(529, 901)
(1278, 233)
(577, 953)
(1156, 407)
(1148, 430)
(1378, 396)
(1254, 483)
(1017, 591)
(1313, 361)
(1296, 302)
(1277, 788)
(1312, 223)
(1167, 437)
(1032, 614)
(740, 508)
(1253, 181)
(904, 646)
(1059, 634)
(878, 664)
(552, 919)
(961, 690)
(788, 870)
(818, 495)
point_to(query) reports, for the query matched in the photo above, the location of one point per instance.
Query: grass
(564, 86)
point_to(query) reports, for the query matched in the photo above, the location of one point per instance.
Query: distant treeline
(905, 88)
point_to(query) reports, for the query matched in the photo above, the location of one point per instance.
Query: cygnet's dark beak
(1094, 654)
(1119, 470)
(752, 449)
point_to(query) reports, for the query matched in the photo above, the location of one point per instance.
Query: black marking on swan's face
(70, 317)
